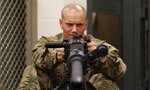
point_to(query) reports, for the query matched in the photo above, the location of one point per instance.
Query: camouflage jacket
(111, 66)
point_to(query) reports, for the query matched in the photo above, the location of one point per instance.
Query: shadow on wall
(106, 27)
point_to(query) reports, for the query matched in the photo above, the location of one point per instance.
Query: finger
(60, 53)
(59, 49)
(91, 44)
(60, 57)
(90, 49)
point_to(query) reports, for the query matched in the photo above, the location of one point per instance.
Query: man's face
(71, 24)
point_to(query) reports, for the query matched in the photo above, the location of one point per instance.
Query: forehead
(74, 17)
(74, 20)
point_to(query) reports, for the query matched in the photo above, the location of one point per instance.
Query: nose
(74, 29)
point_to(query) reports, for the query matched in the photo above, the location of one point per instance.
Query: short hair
(74, 6)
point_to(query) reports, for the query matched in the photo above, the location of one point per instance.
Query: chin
(70, 37)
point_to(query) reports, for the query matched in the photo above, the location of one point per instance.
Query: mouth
(72, 35)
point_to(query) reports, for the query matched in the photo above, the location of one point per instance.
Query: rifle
(77, 59)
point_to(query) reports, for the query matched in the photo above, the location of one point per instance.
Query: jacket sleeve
(111, 66)
(42, 57)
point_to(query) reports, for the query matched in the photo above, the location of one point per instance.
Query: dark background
(125, 24)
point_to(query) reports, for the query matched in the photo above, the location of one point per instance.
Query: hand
(91, 46)
(60, 53)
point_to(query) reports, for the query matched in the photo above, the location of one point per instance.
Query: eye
(69, 24)
(80, 25)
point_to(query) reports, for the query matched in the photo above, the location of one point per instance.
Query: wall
(48, 14)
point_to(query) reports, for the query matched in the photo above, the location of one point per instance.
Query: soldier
(49, 69)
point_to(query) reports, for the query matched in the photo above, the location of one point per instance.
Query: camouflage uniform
(47, 73)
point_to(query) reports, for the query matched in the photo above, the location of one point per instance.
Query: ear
(60, 23)
(86, 24)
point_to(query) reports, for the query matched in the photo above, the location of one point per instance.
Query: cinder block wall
(48, 14)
